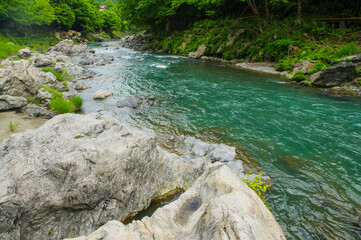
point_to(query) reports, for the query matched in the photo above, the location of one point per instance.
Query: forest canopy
(173, 14)
(80, 15)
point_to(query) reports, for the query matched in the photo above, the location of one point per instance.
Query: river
(307, 142)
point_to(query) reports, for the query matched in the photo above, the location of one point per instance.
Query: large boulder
(201, 51)
(69, 48)
(20, 78)
(9, 102)
(77, 172)
(44, 61)
(217, 206)
(24, 53)
(336, 75)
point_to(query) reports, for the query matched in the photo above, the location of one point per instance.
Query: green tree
(64, 15)
(87, 16)
(31, 12)
(109, 4)
(111, 21)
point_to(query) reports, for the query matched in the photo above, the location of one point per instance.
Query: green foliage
(284, 64)
(299, 76)
(347, 50)
(258, 186)
(61, 105)
(319, 66)
(357, 70)
(279, 48)
(64, 15)
(77, 102)
(65, 83)
(56, 94)
(31, 12)
(59, 76)
(35, 100)
(358, 84)
(13, 126)
(8, 49)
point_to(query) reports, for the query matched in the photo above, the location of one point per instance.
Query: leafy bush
(284, 64)
(279, 49)
(77, 101)
(319, 66)
(358, 84)
(61, 105)
(347, 50)
(299, 76)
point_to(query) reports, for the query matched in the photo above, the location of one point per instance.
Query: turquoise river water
(307, 142)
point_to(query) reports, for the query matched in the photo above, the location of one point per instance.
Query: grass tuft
(61, 105)
(77, 101)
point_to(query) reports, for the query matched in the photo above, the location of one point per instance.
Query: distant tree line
(173, 14)
(80, 15)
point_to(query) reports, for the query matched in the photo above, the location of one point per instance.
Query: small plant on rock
(258, 186)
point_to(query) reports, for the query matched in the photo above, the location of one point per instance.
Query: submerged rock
(77, 172)
(102, 94)
(135, 102)
(217, 206)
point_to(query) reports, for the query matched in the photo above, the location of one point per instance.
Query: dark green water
(307, 142)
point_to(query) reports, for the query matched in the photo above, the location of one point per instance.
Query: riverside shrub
(77, 101)
(61, 105)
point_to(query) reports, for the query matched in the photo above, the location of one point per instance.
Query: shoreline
(343, 87)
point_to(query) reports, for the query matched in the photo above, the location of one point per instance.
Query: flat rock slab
(77, 172)
(217, 206)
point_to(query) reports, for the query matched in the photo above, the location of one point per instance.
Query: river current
(307, 142)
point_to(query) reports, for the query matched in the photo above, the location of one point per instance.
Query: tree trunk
(267, 10)
(299, 11)
(254, 8)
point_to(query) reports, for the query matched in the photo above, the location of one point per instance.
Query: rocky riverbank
(341, 78)
(77, 172)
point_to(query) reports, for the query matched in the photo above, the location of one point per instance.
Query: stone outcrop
(201, 51)
(21, 78)
(24, 53)
(77, 172)
(217, 206)
(8, 102)
(68, 47)
(336, 75)
(137, 41)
